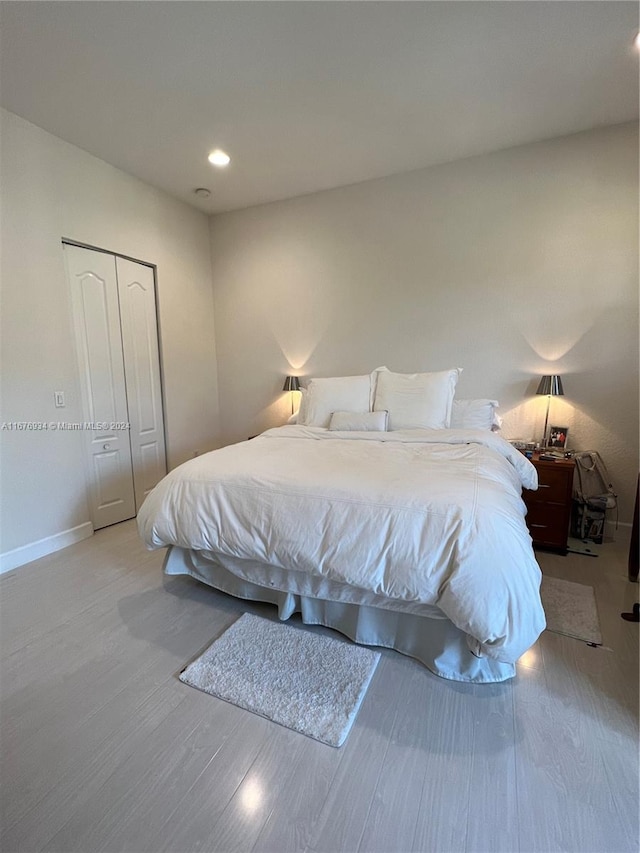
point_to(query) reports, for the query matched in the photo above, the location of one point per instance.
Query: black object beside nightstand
(549, 508)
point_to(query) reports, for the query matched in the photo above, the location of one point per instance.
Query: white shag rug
(305, 681)
(571, 609)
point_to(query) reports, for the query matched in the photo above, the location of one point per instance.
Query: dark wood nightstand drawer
(549, 508)
(548, 524)
(552, 485)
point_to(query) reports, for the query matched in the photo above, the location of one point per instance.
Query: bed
(403, 536)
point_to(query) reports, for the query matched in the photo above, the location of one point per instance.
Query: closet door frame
(67, 241)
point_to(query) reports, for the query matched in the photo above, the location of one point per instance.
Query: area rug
(571, 609)
(308, 682)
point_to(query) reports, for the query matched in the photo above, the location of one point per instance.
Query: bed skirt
(423, 633)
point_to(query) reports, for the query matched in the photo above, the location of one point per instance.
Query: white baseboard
(34, 550)
(620, 533)
(625, 524)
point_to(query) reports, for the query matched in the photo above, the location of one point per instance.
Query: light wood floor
(103, 749)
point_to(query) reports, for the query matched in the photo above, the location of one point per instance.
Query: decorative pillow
(475, 414)
(338, 394)
(416, 400)
(363, 421)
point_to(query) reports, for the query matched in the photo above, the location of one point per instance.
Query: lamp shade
(291, 383)
(551, 385)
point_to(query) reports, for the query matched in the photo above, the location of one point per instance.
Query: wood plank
(492, 822)
(395, 804)
(246, 813)
(49, 718)
(193, 824)
(106, 750)
(344, 813)
(43, 814)
(564, 798)
(301, 793)
(623, 775)
(148, 785)
(444, 804)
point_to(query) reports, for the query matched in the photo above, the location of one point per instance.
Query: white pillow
(374, 384)
(362, 421)
(338, 394)
(475, 414)
(417, 400)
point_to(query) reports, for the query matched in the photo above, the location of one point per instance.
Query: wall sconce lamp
(552, 387)
(291, 383)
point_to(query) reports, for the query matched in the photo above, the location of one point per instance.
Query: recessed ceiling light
(202, 192)
(219, 158)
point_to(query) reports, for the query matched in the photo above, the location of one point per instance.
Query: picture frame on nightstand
(558, 437)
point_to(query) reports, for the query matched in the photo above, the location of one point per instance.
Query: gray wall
(509, 265)
(50, 190)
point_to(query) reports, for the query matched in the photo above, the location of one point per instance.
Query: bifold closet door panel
(136, 289)
(96, 316)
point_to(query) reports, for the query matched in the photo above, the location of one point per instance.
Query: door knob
(106, 446)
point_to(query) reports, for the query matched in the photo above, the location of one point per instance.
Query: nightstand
(549, 508)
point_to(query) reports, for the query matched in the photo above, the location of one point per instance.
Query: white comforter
(430, 516)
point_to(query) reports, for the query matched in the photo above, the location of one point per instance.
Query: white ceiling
(311, 95)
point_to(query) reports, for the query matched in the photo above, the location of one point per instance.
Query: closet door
(94, 294)
(136, 289)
